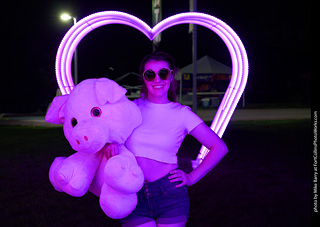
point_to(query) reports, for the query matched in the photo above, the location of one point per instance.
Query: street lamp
(66, 17)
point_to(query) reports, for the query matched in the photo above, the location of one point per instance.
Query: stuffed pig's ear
(108, 91)
(55, 114)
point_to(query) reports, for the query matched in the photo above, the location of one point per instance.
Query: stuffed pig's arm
(74, 174)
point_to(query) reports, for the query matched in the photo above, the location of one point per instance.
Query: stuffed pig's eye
(74, 122)
(96, 112)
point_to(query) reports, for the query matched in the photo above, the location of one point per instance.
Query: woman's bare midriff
(154, 170)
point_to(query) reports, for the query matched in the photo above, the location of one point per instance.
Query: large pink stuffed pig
(95, 113)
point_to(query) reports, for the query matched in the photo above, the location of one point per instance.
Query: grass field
(265, 180)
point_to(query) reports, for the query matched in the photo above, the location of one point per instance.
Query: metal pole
(194, 53)
(156, 18)
(243, 99)
(75, 59)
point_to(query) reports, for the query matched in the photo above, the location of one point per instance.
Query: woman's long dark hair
(160, 56)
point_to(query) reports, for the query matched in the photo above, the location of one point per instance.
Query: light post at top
(66, 17)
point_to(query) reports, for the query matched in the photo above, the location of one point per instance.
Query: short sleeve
(192, 120)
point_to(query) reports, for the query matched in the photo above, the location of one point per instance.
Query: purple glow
(237, 52)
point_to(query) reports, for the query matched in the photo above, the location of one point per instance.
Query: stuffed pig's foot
(63, 179)
(57, 161)
(123, 174)
(73, 175)
(115, 204)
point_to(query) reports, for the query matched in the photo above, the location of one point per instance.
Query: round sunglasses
(163, 73)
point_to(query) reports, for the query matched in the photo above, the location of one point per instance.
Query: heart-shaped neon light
(237, 52)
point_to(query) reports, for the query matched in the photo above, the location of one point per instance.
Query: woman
(163, 200)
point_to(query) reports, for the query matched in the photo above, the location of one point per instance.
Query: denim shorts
(160, 201)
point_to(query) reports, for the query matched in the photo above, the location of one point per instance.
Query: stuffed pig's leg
(123, 178)
(74, 174)
(123, 173)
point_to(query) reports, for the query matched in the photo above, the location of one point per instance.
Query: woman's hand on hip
(179, 175)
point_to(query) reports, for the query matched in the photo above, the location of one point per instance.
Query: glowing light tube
(236, 49)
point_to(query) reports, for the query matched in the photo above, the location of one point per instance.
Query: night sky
(276, 35)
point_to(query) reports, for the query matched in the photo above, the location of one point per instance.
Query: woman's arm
(218, 149)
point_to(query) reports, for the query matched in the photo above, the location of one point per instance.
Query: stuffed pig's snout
(88, 137)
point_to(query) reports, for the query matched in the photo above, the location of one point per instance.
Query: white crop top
(162, 130)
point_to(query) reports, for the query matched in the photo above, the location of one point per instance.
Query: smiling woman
(155, 144)
(158, 71)
(158, 87)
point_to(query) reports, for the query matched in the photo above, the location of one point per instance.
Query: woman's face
(157, 88)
